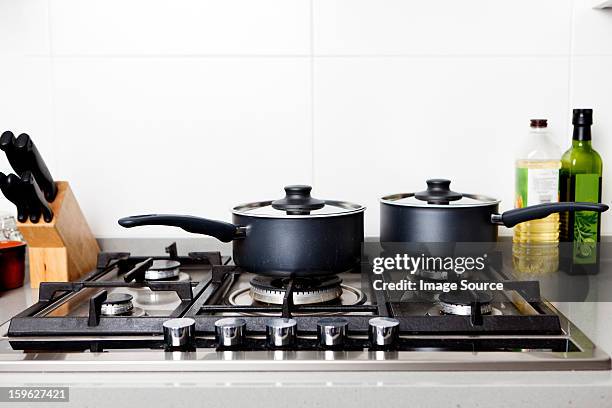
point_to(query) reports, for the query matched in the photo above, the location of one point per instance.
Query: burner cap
(117, 304)
(441, 275)
(305, 290)
(118, 298)
(459, 302)
(163, 269)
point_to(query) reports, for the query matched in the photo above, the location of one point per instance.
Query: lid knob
(438, 192)
(298, 201)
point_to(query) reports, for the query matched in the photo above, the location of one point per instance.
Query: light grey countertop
(357, 389)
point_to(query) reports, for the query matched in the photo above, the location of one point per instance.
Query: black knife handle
(37, 204)
(6, 190)
(14, 155)
(33, 204)
(13, 190)
(7, 140)
(37, 166)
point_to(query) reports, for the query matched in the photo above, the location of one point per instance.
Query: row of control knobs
(281, 332)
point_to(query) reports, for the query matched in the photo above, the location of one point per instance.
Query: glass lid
(439, 194)
(297, 203)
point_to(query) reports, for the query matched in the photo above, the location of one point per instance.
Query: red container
(12, 264)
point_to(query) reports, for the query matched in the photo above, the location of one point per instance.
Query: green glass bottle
(581, 170)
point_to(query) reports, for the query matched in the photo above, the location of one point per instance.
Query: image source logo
(412, 264)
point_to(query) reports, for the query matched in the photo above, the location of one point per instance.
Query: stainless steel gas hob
(201, 313)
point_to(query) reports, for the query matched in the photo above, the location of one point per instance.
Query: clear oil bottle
(535, 243)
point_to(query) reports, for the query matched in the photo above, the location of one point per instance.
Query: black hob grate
(204, 299)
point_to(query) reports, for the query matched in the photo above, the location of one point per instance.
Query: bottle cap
(538, 123)
(582, 117)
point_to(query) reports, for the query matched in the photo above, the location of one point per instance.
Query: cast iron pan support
(476, 313)
(288, 300)
(138, 272)
(95, 308)
(172, 251)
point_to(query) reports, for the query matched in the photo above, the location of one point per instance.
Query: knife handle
(36, 199)
(37, 166)
(11, 186)
(13, 154)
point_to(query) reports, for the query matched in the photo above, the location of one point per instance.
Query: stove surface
(113, 320)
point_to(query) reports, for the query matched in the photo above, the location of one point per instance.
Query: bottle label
(586, 223)
(536, 186)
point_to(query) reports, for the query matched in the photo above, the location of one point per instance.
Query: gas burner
(436, 275)
(163, 269)
(117, 304)
(305, 290)
(459, 302)
(350, 296)
(120, 304)
(423, 296)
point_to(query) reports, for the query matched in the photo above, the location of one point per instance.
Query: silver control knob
(383, 331)
(281, 332)
(230, 331)
(331, 331)
(179, 332)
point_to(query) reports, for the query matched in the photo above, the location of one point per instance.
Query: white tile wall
(592, 29)
(456, 118)
(24, 28)
(195, 105)
(184, 27)
(174, 135)
(442, 27)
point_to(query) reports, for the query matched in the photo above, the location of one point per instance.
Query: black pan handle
(512, 217)
(223, 231)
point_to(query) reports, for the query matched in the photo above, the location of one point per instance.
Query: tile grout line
(52, 87)
(310, 55)
(570, 68)
(312, 96)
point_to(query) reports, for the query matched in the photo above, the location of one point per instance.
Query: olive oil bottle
(535, 243)
(581, 170)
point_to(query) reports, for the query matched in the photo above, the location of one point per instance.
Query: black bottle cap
(582, 117)
(538, 123)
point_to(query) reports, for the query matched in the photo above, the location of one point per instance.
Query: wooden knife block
(63, 249)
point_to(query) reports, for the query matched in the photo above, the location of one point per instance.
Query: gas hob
(202, 313)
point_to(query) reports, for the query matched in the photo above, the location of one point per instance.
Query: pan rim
(244, 210)
(485, 201)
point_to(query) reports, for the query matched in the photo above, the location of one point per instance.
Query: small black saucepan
(296, 236)
(441, 215)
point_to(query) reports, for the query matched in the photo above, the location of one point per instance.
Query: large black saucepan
(441, 215)
(295, 236)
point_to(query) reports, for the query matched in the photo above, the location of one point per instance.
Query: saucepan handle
(223, 231)
(533, 212)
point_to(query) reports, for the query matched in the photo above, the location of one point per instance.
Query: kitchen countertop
(422, 389)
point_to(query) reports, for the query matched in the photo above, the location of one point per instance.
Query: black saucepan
(295, 236)
(441, 215)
